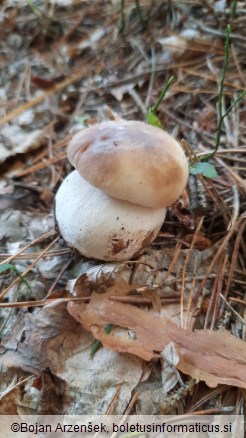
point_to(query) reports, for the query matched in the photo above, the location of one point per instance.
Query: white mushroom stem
(103, 227)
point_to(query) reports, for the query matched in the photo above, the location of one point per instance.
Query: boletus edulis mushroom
(113, 205)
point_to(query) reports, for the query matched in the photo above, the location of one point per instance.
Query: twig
(42, 303)
(233, 310)
(39, 99)
(58, 278)
(219, 252)
(236, 207)
(234, 260)
(29, 268)
(211, 302)
(9, 390)
(152, 77)
(218, 291)
(184, 270)
(34, 242)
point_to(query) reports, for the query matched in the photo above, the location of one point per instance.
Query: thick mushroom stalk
(114, 204)
(103, 227)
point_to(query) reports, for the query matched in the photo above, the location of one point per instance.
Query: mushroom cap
(100, 226)
(131, 160)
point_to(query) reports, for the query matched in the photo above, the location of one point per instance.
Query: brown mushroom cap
(131, 160)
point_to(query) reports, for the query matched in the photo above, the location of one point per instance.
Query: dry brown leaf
(53, 343)
(53, 391)
(18, 141)
(215, 357)
(150, 269)
(8, 398)
(185, 216)
(36, 341)
(95, 383)
(99, 278)
(201, 241)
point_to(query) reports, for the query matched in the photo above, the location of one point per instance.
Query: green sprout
(151, 115)
(10, 267)
(204, 168)
(233, 10)
(122, 26)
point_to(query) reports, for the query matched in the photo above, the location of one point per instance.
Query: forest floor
(172, 321)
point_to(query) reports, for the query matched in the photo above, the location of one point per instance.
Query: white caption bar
(223, 426)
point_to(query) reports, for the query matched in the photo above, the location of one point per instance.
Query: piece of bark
(216, 357)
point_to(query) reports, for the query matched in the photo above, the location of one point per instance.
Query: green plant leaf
(152, 119)
(9, 266)
(96, 345)
(6, 267)
(206, 169)
(82, 120)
